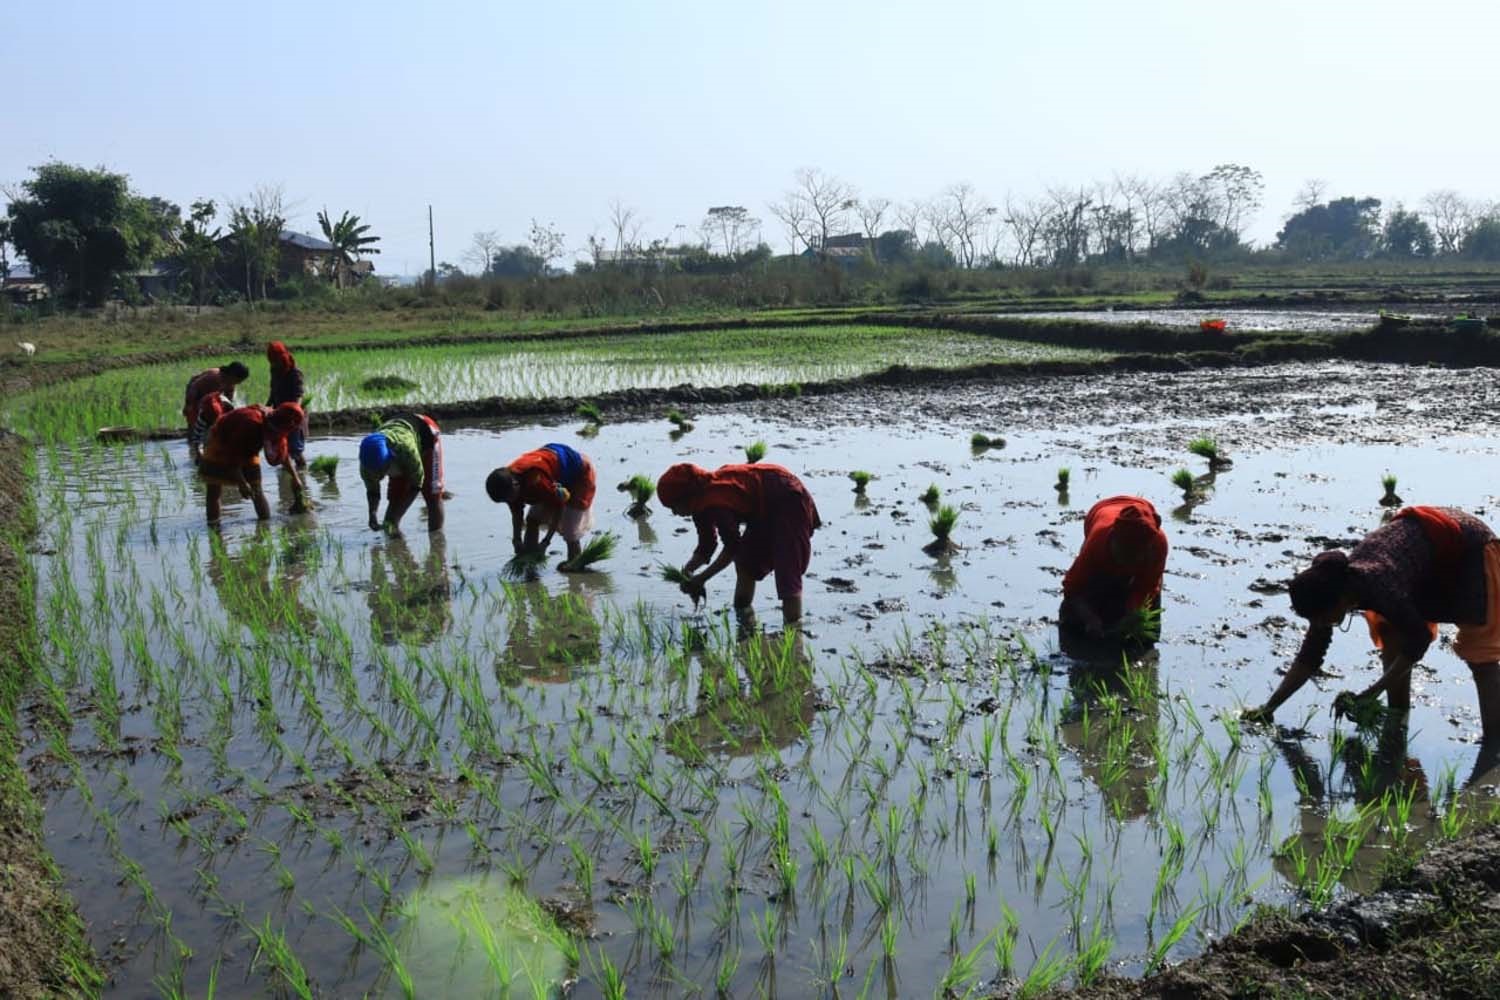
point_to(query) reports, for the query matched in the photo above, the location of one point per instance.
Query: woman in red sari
(231, 456)
(760, 518)
(1119, 569)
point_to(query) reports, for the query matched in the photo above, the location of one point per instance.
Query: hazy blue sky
(498, 112)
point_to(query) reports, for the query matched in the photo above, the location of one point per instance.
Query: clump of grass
(755, 452)
(324, 465)
(931, 494)
(1183, 480)
(1390, 499)
(599, 548)
(641, 490)
(1064, 474)
(388, 384)
(679, 420)
(942, 524)
(861, 480)
(1207, 447)
(590, 412)
(980, 441)
(525, 565)
(1141, 626)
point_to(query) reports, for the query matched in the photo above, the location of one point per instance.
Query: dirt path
(43, 951)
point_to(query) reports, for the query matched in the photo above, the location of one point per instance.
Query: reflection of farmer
(408, 448)
(778, 517)
(554, 485)
(210, 382)
(1428, 565)
(1111, 724)
(772, 706)
(409, 603)
(1119, 569)
(549, 634)
(287, 387)
(248, 589)
(231, 457)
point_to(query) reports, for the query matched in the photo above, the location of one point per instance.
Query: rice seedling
(1141, 626)
(941, 525)
(590, 412)
(324, 465)
(389, 385)
(641, 489)
(598, 549)
(1064, 474)
(1389, 498)
(861, 479)
(674, 575)
(1183, 480)
(1208, 448)
(524, 566)
(755, 451)
(679, 421)
(980, 441)
(931, 495)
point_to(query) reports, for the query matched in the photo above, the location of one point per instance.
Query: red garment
(778, 513)
(538, 473)
(238, 437)
(279, 357)
(1096, 574)
(206, 383)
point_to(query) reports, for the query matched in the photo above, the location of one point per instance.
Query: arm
(517, 515)
(725, 525)
(372, 497)
(1305, 666)
(708, 540)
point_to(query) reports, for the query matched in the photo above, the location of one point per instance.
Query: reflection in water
(258, 586)
(410, 602)
(550, 633)
(1111, 722)
(944, 576)
(644, 533)
(755, 693)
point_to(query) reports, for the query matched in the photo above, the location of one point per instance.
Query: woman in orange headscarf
(1119, 569)
(231, 457)
(287, 387)
(761, 515)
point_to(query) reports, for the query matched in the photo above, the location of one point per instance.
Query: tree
(482, 250)
(1343, 229)
(964, 215)
(816, 207)
(350, 241)
(792, 212)
(1310, 193)
(1236, 191)
(255, 227)
(1025, 221)
(730, 226)
(518, 261)
(896, 246)
(1482, 241)
(1451, 215)
(1065, 233)
(1406, 235)
(81, 229)
(546, 243)
(871, 212)
(627, 227)
(4, 239)
(198, 253)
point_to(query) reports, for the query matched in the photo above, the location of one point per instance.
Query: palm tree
(349, 241)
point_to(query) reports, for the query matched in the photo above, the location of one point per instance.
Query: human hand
(1259, 715)
(374, 524)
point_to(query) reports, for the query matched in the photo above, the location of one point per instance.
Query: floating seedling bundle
(1208, 448)
(941, 525)
(980, 441)
(599, 548)
(861, 479)
(641, 490)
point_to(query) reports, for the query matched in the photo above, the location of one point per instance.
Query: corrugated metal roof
(304, 241)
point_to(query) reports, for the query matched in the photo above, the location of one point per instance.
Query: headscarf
(279, 423)
(1133, 526)
(280, 358)
(374, 453)
(682, 486)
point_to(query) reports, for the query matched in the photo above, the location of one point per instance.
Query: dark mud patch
(1432, 932)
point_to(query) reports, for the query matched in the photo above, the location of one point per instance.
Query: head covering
(680, 485)
(280, 358)
(285, 418)
(374, 453)
(1133, 526)
(1320, 587)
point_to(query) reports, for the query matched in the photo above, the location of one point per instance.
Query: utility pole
(431, 253)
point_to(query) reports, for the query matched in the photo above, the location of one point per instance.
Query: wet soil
(1434, 932)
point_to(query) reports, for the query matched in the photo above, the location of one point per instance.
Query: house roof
(304, 241)
(855, 241)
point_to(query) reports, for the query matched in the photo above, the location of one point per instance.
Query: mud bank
(43, 952)
(1432, 932)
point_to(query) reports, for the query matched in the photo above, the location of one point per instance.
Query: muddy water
(1300, 320)
(273, 803)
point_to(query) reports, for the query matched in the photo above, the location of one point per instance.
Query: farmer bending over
(287, 387)
(1119, 569)
(408, 448)
(231, 456)
(1427, 565)
(210, 382)
(559, 484)
(778, 517)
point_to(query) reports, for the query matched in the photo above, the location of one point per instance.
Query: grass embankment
(150, 397)
(43, 949)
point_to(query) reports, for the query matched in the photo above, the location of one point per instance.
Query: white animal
(28, 349)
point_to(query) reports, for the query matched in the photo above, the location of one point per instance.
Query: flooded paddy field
(306, 759)
(1239, 320)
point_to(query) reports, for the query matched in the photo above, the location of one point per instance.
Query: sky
(499, 113)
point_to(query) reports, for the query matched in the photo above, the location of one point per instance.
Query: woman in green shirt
(409, 449)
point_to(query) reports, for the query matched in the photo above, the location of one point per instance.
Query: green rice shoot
(1183, 480)
(674, 575)
(1389, 482)
(931, 494)
(1064, 474)
(943, 522)
(590, 412)
(755, 452)
(1205, 447)
(324, 465)
(524, 565)
(599, 548)
(678, 419)
(641, 489)
(861, 479)
(1143, 625)
(980, 441)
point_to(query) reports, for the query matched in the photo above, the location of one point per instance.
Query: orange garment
(539, 474)
(1127, 517)
(738, 488)
(237, 438)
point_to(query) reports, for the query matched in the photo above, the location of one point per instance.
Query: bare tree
(626, 223)
(1025, 220)
(793, 214)
(871, 212)
(821, 203)
(1310, 193)
(911, 214)
(546, 242)
(730, 226)
(1451, 216)
(1065, 234)
(1237, 190)
(967, 216)
(481, 252)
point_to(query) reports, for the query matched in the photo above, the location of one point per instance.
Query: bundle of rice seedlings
(1207, 447)
(590, 412)
(679, 420)
(755, 452)
(525, 566)
(1063, 475)
(861, 480)
(324, 465)
(980, 441)
(599, 548)
(942, 524)
(677, 577)
(930, 495)
(641, 490)
(1141, 626)
(1390, 499)
(1183, 480)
